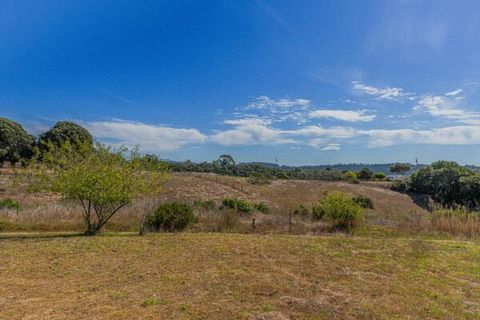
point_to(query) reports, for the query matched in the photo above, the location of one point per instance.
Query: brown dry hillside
(390, 207)
(49, 212)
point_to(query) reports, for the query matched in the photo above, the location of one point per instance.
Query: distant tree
(65, 131)
(226, 160)
(400, 168)
(365, 174)
(15, 143)
(102, 179)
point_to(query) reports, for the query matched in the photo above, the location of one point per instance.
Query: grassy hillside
(47, 212)
(234, 276)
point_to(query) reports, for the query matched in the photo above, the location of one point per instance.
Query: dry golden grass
(234, 276)
(393, 211)
(456, 222)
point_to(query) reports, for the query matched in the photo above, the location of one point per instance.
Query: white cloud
(331, 147)
(148, 137)
(455, 135)
(250, 131)
(264, 102)
(454, 93)
(447, 106)
(331, 132)
(344, 115)
(388, 93)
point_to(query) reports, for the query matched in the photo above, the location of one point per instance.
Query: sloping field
(390, 207)
(47, 212)
(234, 276)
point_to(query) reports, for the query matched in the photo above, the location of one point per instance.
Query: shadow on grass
(53, 235)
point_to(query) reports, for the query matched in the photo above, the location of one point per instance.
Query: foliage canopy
(15, 143)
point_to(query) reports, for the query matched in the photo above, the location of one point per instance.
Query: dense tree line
(446, 183)
(226, 165)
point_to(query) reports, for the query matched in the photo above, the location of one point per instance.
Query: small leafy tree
(102, 179)
(400, 168)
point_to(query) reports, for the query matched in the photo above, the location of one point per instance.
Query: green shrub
(399, 185)
(204, 204)
(379, 176)
(170, 217)
(340, 210)
(260, 179)
(9, 204)
(263, 208)
(351, 177)
(282, 175)
(364, 202)
(301, 210)
(365, 174)
(239, 205)
(318, 212)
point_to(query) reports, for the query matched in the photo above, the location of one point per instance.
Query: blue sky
(308, 81)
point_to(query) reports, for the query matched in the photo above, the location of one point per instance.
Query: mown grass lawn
(234, 276)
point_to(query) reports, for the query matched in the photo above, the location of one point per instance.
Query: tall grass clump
(458, 221)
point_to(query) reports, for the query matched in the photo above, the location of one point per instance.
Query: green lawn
(234, 276)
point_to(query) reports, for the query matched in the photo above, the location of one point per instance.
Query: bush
(351, 177)
(282, 175)
(170, 217)
(204, 204)
(364, 202)
(318, 212)
(9, 204)
(239, 205)
(301, 210)
(399, 185)
(340, 210)
(365, 174)
(260, 179)
(379, 176)
(263, 207)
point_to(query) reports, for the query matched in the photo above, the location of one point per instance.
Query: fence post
(290, 221)
(253, 224)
